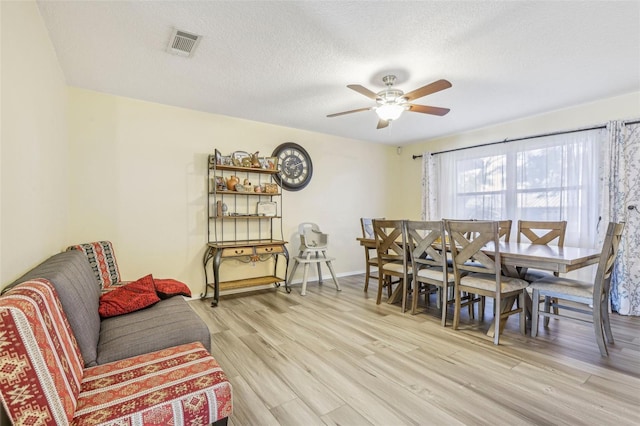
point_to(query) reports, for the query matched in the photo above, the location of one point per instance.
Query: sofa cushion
(128, 298)
(102, 259)
(79, 293)
(41, 367)
(167, 287)
(189, 388)
(168, 323)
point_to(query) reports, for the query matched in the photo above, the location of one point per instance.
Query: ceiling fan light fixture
(389, 112)
(390, 102)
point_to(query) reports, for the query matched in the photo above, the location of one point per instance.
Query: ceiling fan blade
(434, 87)
(382, 124)
(428, 109)
(363, 91)
(348, 112)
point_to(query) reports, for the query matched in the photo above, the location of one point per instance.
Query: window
(544, 178)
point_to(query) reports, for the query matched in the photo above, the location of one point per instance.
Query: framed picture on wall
(269, 163)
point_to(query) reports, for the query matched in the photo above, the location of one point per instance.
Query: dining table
(367, 242)
(517, 258)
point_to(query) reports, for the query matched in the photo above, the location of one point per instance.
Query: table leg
(396, 294)
(506, 304)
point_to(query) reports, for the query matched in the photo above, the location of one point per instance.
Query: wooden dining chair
(486, 279)
(394, 266)
(504, 230)
(541, 232)
(590, 298)
(428, 252)
(371, 260)
(504, 234)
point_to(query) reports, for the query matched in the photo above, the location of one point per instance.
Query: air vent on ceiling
(183, 43)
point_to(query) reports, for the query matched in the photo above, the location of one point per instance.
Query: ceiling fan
(391, 102)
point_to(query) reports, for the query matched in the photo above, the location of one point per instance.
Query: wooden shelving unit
(241, 233)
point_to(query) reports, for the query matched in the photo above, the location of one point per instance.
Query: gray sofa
(170, 322)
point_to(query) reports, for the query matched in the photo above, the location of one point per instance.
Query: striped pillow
(102, 259)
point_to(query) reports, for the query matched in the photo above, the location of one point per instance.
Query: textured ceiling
(288, 63)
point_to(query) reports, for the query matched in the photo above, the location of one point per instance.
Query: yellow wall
(408, 171)
(34, 157)
(139, 179)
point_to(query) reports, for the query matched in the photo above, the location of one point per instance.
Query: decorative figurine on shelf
(268, 163)
(270, 188)
(255, 161)
(221, 185)
(232, 182)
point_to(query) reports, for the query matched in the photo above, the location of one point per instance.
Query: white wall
(34, 152)
(138, 178)
(408, 171)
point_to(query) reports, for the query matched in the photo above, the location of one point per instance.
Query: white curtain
(541, 178)
(429, 187)
(589, 178)
(620, 189)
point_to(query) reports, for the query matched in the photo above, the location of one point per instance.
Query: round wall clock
(295, 166)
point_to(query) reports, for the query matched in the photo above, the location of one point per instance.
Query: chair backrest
(102, 259)
(366, 223)
(391, 241)
(504, 230)
(311, 238)
(531, 230)
(466, 241)
(42, 367)
(607, 260)
(423, 238)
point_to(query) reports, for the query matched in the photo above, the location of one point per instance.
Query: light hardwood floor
(337, 358)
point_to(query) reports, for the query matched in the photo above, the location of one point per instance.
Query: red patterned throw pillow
(168, 287)
(129, 298)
